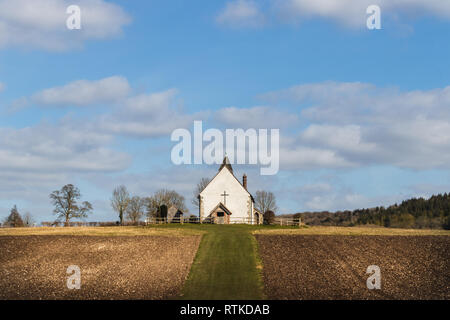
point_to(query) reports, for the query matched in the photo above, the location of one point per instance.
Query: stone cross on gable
(225, 195)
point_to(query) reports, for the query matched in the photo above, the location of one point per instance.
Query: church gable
(220, 214)
(226, 179)
(220, 207)
(226, 199)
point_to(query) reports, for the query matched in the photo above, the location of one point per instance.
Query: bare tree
(120, 200)
(65, 202)
(135, 209)
(166, 197)
(28, 220)
(265, 201)
(199, 188)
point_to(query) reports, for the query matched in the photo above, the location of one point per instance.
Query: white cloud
(2, 86)
(30, 186)
(84, 92)
(346, 138)
(352, 13)
(63, 148)
(327, 194)
(18, 104)
(151, 104)
(332, 194)
(359, 124)
(336, 201)
(41, 24)
(328, 90)
(241, 13)
(426, 190)
(146, 115)
(143, 115)
(297, 157)
(36, 160)
(255, 117)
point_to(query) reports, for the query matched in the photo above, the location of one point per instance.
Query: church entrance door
(220, 217)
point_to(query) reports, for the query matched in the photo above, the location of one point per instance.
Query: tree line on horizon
(432, 213)
(416, 213)
(128, 207)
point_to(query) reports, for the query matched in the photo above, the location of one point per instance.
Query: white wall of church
(236, 202)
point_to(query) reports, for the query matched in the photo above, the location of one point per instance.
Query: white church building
(226, 200)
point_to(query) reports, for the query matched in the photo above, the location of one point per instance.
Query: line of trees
(67, 206)
(420, 213)
(15, 219)
(413, 213)
(134, 207)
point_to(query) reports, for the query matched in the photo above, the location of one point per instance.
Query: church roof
(226, 163)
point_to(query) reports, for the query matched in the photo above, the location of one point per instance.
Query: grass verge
(226, 266)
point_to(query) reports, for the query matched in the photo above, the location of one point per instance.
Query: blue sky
(363, 114)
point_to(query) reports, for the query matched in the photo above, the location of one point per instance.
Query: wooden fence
(287, 221)
(180, 220)
(207, 220)
(233, 220)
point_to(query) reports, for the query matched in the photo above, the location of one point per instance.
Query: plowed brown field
(120, 267)
(334, 267)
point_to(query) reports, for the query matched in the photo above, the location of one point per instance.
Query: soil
(119, 267)
(334, 267)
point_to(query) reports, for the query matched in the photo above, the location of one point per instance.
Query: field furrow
(334, 267)
(119, 267)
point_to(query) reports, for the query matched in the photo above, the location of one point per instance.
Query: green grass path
(226, 265)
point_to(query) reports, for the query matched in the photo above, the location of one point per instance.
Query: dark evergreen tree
(14, 219)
